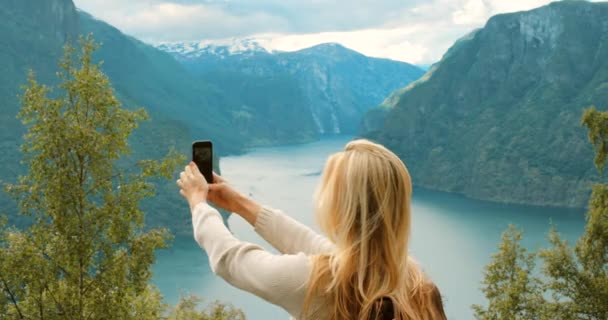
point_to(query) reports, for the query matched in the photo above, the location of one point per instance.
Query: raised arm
(282, 232)
(288, 235)
(278, 279)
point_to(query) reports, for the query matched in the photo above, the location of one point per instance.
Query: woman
(360, 271)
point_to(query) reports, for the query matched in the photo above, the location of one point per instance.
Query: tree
(578, 277)
(86, 255)
(575, 278)
(509, 285)
(188, 309)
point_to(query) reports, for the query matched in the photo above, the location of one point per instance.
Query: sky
(414, 31)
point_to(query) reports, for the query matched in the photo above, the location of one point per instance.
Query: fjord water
(452, 237)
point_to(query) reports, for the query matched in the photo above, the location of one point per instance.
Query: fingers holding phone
(193, 186)
(218, 179)
(217, 190)
(223, 195)
(226, 197)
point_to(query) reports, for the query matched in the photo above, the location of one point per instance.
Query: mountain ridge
(338, 84)
(498, 117)
(193, 49)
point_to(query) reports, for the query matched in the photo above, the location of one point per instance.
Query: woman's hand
(224, 196)
(193, 185)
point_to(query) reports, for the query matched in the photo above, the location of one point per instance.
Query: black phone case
(202, 155)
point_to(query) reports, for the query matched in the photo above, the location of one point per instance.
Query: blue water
(453, 237)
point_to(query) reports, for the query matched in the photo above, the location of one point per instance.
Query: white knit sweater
(278, 279)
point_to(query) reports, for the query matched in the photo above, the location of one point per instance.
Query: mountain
(338, 85)
(144, 75)
(268, 109)
(498, 118)
(208, 49)
(32, 36)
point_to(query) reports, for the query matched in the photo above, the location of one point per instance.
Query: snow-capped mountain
(219, 48)
(337, 85)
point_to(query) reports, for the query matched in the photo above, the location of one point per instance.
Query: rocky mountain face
(498, 117)
(338, 85)
(57, 19)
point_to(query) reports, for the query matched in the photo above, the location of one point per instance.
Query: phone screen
(202, 155)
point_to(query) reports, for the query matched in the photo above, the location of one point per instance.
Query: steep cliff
(498, 117)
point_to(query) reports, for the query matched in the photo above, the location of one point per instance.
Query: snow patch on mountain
(221, 48)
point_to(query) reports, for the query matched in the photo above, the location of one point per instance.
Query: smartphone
(202, 155)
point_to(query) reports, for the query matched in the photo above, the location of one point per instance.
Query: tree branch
(57, 304)
(12, 297)
(41, 304)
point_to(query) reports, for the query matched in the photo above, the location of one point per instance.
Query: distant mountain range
(337, 85)
(498, 118)
(219, 48)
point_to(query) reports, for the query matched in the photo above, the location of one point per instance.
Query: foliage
(512, 290)
(188, 309)
(576, 278)
(87, 255)
(597, 123)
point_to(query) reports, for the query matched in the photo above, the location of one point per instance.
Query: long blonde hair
(363, 206)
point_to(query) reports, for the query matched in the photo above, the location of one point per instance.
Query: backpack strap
(384, 308)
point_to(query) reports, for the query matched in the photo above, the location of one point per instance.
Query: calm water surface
(453, 237)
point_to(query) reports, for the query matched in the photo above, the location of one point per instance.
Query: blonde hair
(363, 206)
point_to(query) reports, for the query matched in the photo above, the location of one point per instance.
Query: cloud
(472, 12)
(386, 43)
(208, 19)
(416, 31)
(167, 21)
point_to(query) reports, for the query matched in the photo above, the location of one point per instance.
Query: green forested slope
(498, 117)
(32, 36)
(143, 75)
